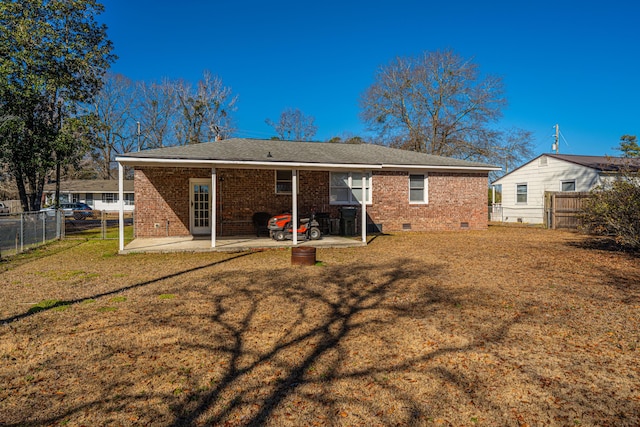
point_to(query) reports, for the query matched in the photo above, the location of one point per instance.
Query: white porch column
(214, 207)
(121, 205)
(294, 205)
(363, 220)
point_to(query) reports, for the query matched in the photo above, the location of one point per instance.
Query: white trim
(425, 188)
(363, 207)
(294, 205)
(192, 182)
(213, 208)
(243, 164)
(121, 206)
(526, 184)
(367, 195)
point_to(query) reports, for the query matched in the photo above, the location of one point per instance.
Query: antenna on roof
(556, 145)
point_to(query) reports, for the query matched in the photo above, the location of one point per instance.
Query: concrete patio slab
(230, 244)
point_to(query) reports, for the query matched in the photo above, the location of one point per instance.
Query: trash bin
(348, 220)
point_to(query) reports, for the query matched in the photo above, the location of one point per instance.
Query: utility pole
(556, 145)
(138, 123)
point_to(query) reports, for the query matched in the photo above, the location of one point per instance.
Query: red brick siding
(162, 197)
(453, 198)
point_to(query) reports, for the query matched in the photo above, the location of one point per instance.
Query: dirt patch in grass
(512, 326)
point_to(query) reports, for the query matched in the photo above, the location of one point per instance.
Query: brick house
(176, 187)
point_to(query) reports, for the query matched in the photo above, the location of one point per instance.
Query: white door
(200, 199)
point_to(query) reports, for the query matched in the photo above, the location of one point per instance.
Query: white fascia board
(443, 168)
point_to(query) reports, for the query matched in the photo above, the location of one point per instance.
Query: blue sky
(575, 63)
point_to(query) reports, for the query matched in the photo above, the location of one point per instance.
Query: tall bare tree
(156, 109)
(437, 103)
(111, 122)
(204, 111)
(294, 125)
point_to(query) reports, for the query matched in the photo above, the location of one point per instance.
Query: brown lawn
(512, 326)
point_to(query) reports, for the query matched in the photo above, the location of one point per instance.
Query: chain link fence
(22, 231)
(99, 225)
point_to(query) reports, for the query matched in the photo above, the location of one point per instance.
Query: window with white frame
(128, 199)
(284, 181)
(347, 188)
(521, 193)
(418, 188)
(569, 185)
(109, 198)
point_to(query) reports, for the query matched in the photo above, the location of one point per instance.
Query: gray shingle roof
(265, 151)
(602, 163)
(90, 186)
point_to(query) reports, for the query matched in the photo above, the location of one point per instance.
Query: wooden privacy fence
(562, 209)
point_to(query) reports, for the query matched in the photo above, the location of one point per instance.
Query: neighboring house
(176, 187)
(100, 194)
(523, 188)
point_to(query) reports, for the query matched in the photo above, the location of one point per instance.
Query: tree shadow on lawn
(53, 304)
(354, 303)
(285, 342)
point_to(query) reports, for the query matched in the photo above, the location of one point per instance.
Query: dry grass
(512, 326)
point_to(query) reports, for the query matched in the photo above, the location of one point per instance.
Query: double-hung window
(109, 197)
(521, 193)
(347, 188)
(418, 188)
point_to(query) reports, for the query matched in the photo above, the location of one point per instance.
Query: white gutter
(295, 165)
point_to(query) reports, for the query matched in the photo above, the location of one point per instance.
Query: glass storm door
(200, 207)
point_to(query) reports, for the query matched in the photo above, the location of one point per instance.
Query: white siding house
(101, 195)
(523, 188)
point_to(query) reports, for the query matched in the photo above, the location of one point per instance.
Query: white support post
(294, 205)
(121, 205)
(363, 220)
(214, 208)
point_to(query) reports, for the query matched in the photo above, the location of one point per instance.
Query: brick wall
(162, 200)
(455, 201)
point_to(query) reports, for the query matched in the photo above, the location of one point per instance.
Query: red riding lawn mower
(280, 227)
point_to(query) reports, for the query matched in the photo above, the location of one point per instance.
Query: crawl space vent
(464, 225)
(406, 226)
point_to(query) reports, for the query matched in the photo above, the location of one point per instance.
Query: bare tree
(204, 112)
(436, 103)
(294, 125)
(156, 111)
(111, 123)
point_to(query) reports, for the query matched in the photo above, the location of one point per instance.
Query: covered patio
(230, 244)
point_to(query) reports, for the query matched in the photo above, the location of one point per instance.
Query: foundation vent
(406, 226)
(464, 225)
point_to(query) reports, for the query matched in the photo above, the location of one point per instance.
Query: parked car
(76, 210)
(4, 209)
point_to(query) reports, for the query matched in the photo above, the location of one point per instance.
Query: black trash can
(348, 220)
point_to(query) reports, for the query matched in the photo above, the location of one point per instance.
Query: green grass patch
(47, 305)
(118, 299)
(166, 296)
(107, 309)
(88, 301)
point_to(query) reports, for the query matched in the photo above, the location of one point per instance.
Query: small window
(129, 199)
(109, 197)
(521, 193)
(418, 188)
(284, 181)
(568, 185)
